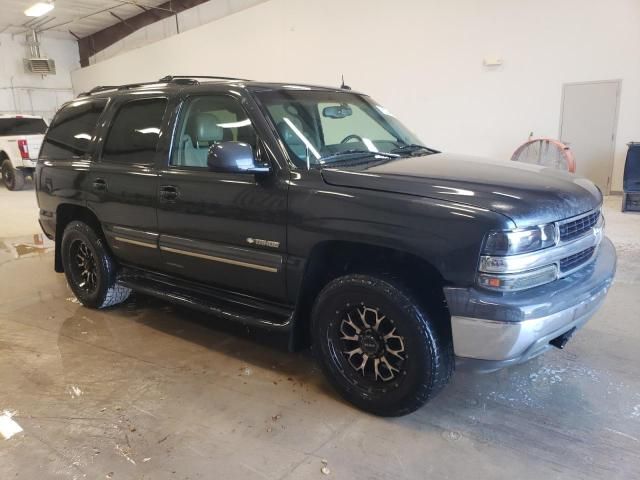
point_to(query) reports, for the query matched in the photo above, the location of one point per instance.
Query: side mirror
(234, 157)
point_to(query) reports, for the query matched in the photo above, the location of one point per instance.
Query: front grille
(574, 261)
(576, 228)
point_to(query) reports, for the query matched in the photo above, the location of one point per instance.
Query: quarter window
(72, 130)
(208, 120)
(135, 132)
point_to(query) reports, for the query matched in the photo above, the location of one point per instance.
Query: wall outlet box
(492, 61)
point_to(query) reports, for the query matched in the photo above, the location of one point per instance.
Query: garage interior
(151, 390)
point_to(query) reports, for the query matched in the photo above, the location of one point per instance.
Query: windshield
(323, 127)
(21, 126)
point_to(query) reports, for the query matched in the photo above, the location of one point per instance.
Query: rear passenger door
(123, 182)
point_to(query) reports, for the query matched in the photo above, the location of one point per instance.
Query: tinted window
(72, 129)
(22, 126)
(135, 131)
(206, 121)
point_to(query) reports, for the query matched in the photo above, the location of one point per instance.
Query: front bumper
(493, 330)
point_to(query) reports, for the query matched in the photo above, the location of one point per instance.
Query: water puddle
(34, 245)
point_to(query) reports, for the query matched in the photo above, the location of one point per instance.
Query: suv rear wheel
(12, 177)
(381, 350)
(89, 268)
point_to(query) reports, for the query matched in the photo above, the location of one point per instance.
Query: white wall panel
(421, 58)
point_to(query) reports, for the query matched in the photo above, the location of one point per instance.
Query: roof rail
(104, 88)
(177, 78)
(99, 88)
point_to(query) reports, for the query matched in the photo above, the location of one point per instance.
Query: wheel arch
(67, 213)
(334, 258)
(5, 156)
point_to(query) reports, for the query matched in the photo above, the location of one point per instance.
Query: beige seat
(203, 132)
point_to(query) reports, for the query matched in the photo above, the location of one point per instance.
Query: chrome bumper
(491, 331)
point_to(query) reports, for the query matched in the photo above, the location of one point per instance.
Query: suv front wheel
(12, 177)
(89, 268)
(379, 348)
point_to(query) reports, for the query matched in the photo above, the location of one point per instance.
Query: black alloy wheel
(379, 347)
(91, 271)
(369, 343)
(83, 266)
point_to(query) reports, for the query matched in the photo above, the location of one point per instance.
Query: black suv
(314, 212)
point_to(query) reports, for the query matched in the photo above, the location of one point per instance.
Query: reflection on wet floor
(149, 390)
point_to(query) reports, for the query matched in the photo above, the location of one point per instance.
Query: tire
(12, 177)
(417, 348)
(89, 268)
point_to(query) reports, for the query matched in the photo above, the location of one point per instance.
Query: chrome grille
(572, 229)
(572, 262)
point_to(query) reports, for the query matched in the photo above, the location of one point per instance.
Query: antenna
(343, 86)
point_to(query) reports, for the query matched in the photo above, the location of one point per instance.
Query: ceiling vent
(41, 66)
(35, 63)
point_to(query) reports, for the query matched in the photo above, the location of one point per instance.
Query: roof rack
(104, 88)
(99, 88)
(178, 78)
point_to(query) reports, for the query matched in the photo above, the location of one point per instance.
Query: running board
(230, 306)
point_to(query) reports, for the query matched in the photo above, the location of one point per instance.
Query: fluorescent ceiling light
(39, 9)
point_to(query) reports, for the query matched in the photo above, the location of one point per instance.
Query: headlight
(504, 263)
(513, 242)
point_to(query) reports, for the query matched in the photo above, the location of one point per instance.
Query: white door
(588, 125)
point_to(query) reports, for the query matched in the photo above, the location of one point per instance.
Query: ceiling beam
(98, 41)
(165, 6)
(122, 20)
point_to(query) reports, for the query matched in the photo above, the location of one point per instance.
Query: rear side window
(135, 131)
(22, 126)
(72, 129)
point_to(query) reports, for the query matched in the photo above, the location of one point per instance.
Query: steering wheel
(351, 137)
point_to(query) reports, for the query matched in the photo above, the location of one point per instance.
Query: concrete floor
(18, 212)
(151, 391)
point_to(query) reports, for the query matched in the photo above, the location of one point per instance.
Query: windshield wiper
(358, 153)
(413, 147)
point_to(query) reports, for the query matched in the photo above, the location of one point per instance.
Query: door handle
(100, 184)
(169, 193)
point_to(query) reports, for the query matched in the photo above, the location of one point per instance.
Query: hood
(527, 194)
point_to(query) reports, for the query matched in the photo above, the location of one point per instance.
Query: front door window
(208, 120)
